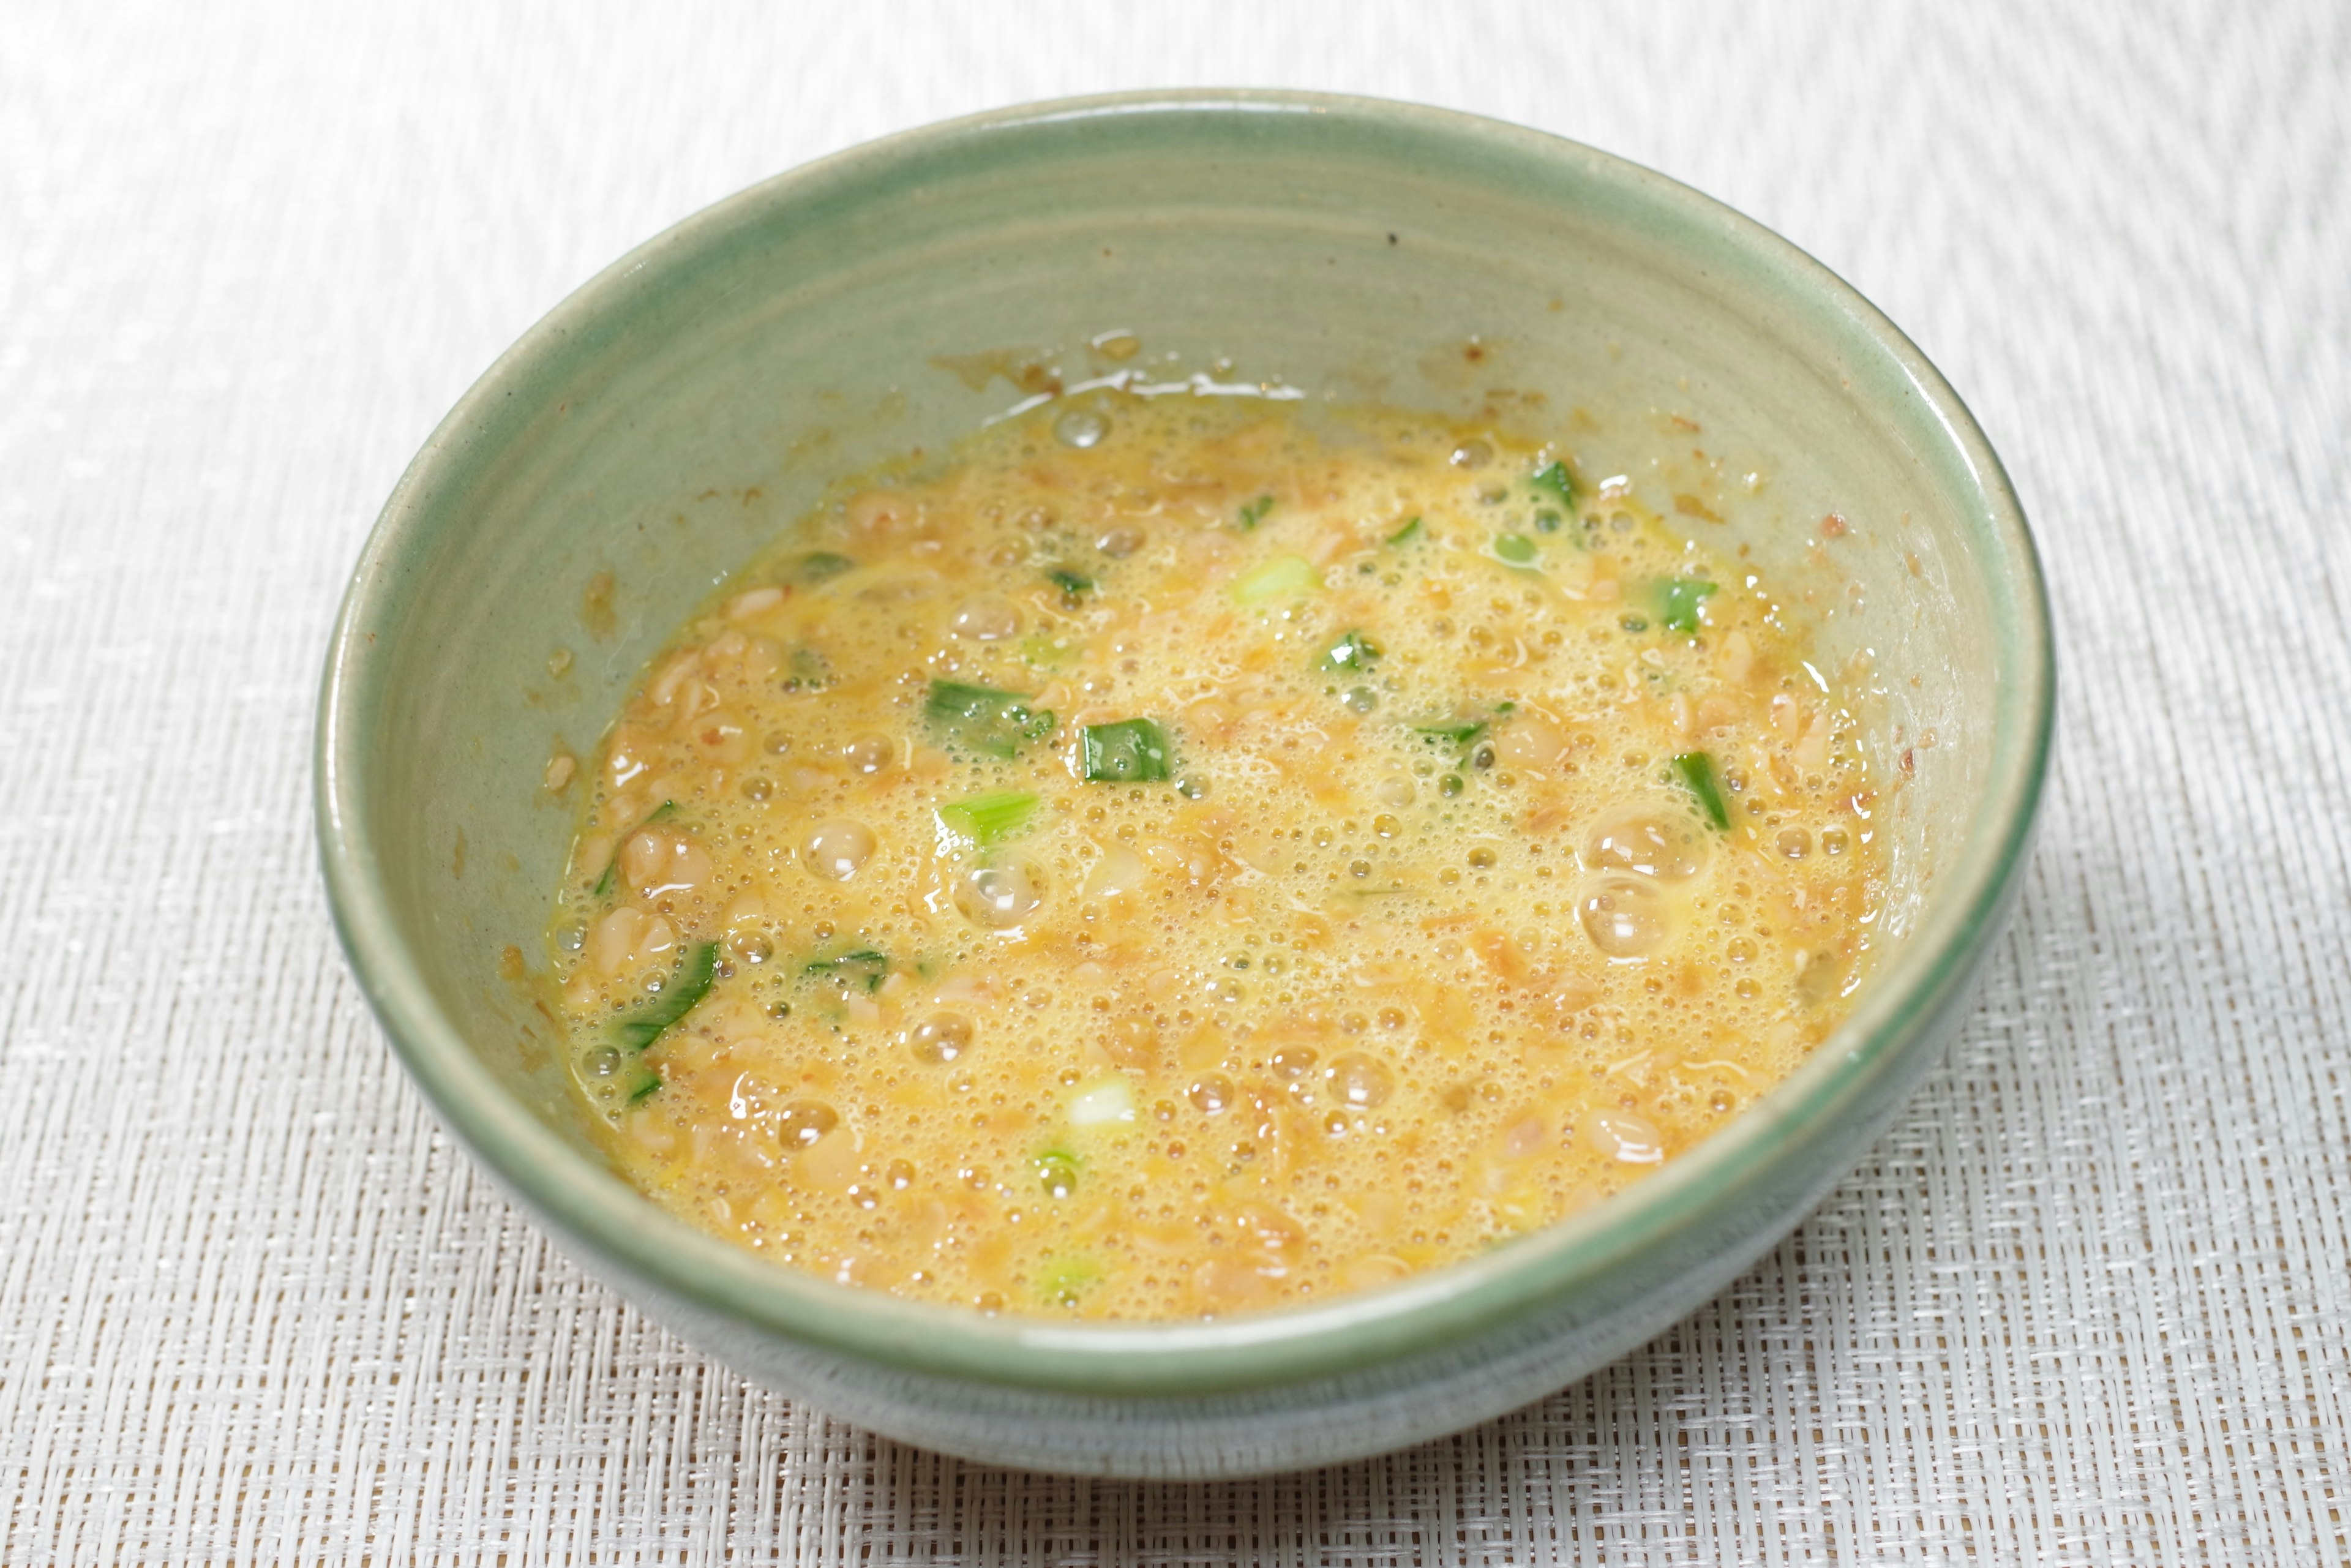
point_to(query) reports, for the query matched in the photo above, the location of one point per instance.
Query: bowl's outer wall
(671, 416)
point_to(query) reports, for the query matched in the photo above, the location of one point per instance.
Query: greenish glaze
(670, 414)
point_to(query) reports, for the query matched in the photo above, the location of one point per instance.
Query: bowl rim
(1894, 1016)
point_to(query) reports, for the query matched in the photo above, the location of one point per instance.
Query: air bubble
(940, 1038)
(1358, 1081)
(1081, 428)
(1624, 1135)
(1625, 916)
(1638, 839)
(802, 1122)
(1003, 895)
(1211, 1094)
(985, 619)
(838, 848)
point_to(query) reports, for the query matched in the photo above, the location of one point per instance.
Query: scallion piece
(1071, 583)
(1514, 549)
(1678, 602)
(1062, 1281)
(819, 564)
(1458, 733)
(985, 719)
(1281, 577)
(1254, 512)
(1696, 770)
(1557, 481)
(1133, 751)
(865, 966)
(1057, 1173)
(989, 818)
(611, 878)
(1405, 534)
(1353, 654)
(1102, 1102)
(677, 998)
(809, 672)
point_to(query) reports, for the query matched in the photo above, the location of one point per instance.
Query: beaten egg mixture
(1170, 859)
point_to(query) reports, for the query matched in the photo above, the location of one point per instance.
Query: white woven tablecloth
(2089, 1302)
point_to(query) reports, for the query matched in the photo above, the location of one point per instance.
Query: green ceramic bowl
(683, 406)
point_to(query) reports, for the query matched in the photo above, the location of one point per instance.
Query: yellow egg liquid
(1485, 843)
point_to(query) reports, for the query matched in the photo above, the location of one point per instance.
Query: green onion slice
(816, 565)
(677, 998)
(1456, 733)
(1353, 654)
(989, 818)
(1558, 482)
(1133, 751)
(1696, 770)
(1678, 602)
(1282, 577)
(864, 967)
(983, 719)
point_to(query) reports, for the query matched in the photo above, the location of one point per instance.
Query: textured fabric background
(2089, 1302)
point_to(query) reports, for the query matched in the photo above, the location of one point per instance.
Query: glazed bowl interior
(672, 415)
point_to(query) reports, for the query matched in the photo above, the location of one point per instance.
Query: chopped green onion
(1057, 1169)
(985, 719)
(688, 987)
(1103, 1102)
(810, 671)
(1405, 534)
(1678, 602)
(1071, 583)
(1282, 576)
(818, 565)
(648, 1083)
(1517, 550)
(1460, 733)
(1133, 751)
(1044, 650)
(1355, 652)
(1063, 1281)
(989, 819)
(1558, 481)
(611, 878)
(1696, 770)
(865, 966)
(1254, 513)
